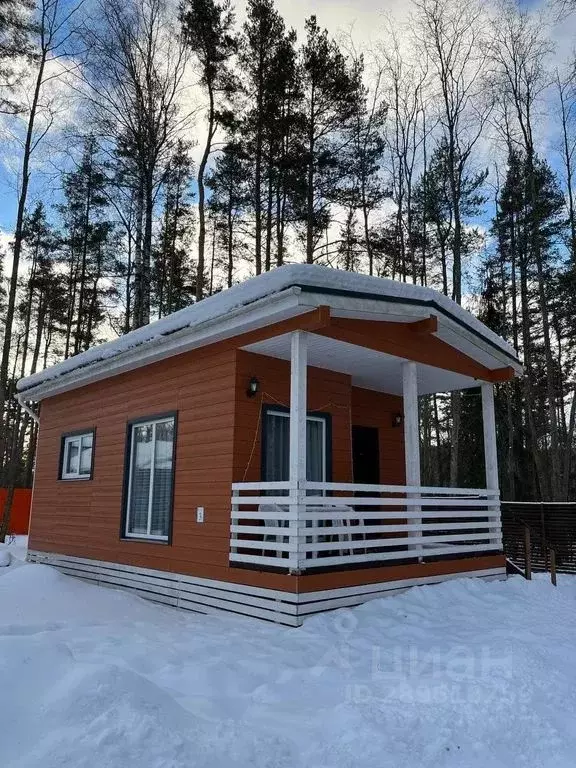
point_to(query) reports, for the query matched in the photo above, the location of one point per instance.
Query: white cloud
(366, 19)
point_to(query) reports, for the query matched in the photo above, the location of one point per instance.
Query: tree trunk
(83, 259)
(269, 218)
(17, 249)
(310, 185)
(202, 196)
(456, 401)
(230, 225)
(138, 258)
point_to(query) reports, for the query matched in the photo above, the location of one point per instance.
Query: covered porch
(297, 519)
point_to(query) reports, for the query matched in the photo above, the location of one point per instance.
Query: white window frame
(70, 440)
(310, 417)
(135, 425)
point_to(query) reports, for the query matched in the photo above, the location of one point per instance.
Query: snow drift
(465, 674)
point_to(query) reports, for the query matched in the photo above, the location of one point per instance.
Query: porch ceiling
(368, 369)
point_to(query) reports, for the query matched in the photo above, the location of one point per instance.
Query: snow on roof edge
(247, 293)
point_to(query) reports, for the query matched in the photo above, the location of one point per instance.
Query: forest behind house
(161, 153)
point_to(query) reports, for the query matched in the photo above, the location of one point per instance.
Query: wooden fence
(553, 525)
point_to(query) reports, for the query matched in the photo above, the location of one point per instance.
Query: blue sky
(363, 16)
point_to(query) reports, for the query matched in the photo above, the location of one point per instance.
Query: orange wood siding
(82, 518)
(405, 341)
(377, 409)
(328, 392)
(313, 582)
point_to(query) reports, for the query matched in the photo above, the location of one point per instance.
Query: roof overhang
(452, 330)
(366, 367)
(264, 312)
(187, 330)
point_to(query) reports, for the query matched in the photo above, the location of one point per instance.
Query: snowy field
(466, 674)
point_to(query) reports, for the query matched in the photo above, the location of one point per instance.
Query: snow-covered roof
(257, 292)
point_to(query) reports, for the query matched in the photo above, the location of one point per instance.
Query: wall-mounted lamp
(397, 419)
(253, 387)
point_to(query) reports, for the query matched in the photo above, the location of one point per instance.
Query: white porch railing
(328, 525)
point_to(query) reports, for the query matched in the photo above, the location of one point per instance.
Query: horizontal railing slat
(368, 488)
(305, 528)
(417, 552)
(336, 514)
(278, 485)
(324, 546)
(323, 562)
(354, 530)
(365, 488)
(329, 501)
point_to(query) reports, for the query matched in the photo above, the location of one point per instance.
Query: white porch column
(298, 412)
(489, 422)
(411, 423)
(412, 437)
(491, 458)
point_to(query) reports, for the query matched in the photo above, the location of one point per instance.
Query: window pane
(86, 455)
(72, 457)
(162, 490)
(140, 478)
(315, 451)
(277, 458)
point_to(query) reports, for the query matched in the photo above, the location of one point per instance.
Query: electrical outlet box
(200, 514)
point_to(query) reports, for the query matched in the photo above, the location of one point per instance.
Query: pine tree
(173, 279)
(39, 290)
(331, 86)
(88, 250)
(41, 318)
(350, 247)
(54, 31)
(40, 249)
(530, 225)
(434, 210)
(208, 31)
(2, 285)
(286, 145)
(15, 44)
(367, 146)
(228, 202)
(264, 49)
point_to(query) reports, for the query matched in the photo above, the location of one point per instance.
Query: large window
(77, 454)
(150, 478)
(276, 446)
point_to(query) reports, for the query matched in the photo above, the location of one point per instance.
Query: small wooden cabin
(259, 452)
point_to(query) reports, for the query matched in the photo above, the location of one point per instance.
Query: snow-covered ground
(465, 674)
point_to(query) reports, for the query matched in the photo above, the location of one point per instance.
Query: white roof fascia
(261, 313)
(448, 329)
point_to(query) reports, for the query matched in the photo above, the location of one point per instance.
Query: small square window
(77, 456)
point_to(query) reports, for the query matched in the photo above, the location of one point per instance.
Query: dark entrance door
(366, 455)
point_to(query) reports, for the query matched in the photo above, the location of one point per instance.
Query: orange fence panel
(20, 517)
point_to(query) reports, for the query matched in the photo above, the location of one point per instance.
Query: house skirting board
(211, 596)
